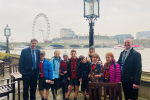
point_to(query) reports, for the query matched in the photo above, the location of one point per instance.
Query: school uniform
(56, 77)
(72, 72)
(95, 69)
(83, 72)
(46, 73)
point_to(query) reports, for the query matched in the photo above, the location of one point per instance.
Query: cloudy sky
(116, 17)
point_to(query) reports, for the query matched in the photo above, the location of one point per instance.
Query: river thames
(101, 51)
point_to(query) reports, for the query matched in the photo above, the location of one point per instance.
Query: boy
(72, 74)
(63, 73)
(95, 72)
(45, 73)
(55, 61)
(83, 72)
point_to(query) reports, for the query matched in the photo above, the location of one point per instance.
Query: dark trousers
(55, 86)
(29, 80)
(129, 92)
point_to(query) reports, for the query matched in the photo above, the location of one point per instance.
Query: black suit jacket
(26, 63)
(132, 68)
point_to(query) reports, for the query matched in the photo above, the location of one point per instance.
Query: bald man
(131, 67)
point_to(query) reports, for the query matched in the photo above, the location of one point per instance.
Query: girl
(55, 62)
(63, 73)
(111, 71)
(95, 73)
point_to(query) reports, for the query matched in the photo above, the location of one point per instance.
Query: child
(111, 72)
(63, 73)
(45, 70)
(72, 74)
(83, 72)
(96, 72)
(55, 61)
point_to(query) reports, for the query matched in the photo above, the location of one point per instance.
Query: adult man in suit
(131, 67)
(28, 67)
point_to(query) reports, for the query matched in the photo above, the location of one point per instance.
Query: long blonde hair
(88, 57)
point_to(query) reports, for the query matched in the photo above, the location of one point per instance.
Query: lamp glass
(96, 8)
(7, 32)
(91, 8)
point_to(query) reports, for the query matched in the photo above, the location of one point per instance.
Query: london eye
(48, 26)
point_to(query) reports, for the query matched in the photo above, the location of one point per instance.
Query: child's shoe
(54, 98)
(43, 98)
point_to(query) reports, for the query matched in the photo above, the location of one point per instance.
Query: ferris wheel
(48, 26)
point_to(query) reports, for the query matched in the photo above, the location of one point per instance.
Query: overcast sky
(116, 17)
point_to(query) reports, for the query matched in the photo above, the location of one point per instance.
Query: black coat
(83, 71)
(132, 68)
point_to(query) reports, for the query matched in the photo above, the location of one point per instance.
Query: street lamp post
(91, 12)
(7, 33)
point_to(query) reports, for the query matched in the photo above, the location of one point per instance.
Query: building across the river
(143, 35)
(102, 40)
(66, 33)
(122, 37)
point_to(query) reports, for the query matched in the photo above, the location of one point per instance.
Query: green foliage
(4, 55)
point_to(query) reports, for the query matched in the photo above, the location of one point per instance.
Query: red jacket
(63, 65)
(72, 68)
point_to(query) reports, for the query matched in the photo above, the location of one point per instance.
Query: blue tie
(123, 60)
(33, 58)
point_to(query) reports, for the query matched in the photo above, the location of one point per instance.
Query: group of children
(69, 72)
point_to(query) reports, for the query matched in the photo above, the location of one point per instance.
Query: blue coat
(55, 66)
(25, 61)
(47, 69)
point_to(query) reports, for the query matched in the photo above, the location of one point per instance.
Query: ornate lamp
(91, 12)
(7, 33)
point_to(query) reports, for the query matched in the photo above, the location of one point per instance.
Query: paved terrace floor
(38, 97)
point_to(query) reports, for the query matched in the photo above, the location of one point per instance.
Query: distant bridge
(52, 45)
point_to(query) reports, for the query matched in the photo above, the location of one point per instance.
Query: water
(101, 51)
